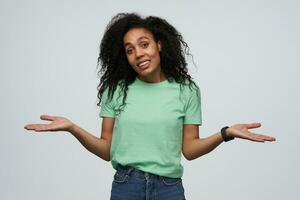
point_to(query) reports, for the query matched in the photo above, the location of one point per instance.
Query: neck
(153, 79)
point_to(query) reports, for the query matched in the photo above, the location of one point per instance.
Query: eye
(145, 44)
(129, 50)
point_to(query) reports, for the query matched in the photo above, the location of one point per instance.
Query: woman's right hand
(57, 124)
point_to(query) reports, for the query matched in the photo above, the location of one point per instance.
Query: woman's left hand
(241, 131)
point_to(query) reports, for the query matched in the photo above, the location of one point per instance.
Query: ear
(159, 45)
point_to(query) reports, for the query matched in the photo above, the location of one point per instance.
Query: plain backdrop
(246, 56)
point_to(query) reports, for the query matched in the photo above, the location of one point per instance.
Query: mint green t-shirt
(147, 134)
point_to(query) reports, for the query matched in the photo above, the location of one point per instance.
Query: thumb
(47, 117)
(253, 125)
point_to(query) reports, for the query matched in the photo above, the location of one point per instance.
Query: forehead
(136, 34)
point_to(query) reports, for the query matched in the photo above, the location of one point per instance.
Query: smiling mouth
(144, 64)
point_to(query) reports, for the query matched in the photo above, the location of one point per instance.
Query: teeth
(143, 63)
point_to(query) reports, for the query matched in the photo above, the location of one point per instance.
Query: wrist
(71, 128)
(224, 133)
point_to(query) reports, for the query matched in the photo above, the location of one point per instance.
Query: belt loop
(129, 170)
(160, 177)
(146, 175)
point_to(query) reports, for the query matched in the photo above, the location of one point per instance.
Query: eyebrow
(140, 38)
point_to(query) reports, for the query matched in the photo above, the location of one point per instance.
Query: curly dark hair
(115, 68)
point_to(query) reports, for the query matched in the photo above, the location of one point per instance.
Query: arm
(98, 146)
(194, 147)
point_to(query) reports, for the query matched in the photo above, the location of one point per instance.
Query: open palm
(57, 124)
(241, 131)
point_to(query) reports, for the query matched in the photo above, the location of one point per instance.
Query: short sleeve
(193, 113)
(107, 106)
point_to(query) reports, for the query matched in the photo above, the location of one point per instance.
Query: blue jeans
(133, 184)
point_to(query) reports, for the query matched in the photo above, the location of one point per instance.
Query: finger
(253, 125)
(37, 127)
(255, 138)
(267, 138)
(47, 117)
(250, 136)
(261, 137)
(258, 139)
(30, 126)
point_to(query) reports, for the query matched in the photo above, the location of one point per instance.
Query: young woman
(150, 108)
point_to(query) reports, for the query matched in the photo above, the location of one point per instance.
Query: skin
(140, 46)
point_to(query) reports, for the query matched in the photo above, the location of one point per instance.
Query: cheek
(156, 56)
(130, 60)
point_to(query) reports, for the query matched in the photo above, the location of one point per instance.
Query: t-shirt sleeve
(193, 113)
(107, 106)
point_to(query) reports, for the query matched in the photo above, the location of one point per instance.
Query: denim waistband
(129, 169)
(137, 184)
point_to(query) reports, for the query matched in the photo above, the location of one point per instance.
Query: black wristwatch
(225, 137)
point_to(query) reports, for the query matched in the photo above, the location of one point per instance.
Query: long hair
(115, 69)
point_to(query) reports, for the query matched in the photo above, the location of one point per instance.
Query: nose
(139, 53)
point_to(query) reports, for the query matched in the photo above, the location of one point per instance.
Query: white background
(247, 66)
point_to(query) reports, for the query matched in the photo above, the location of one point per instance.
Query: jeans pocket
(120, 177)
(170, 181)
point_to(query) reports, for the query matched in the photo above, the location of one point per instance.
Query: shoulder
(190, 87)
(113, 92)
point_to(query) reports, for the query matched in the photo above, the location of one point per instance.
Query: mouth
(143, 64)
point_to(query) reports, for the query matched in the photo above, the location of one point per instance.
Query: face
(142, 52)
